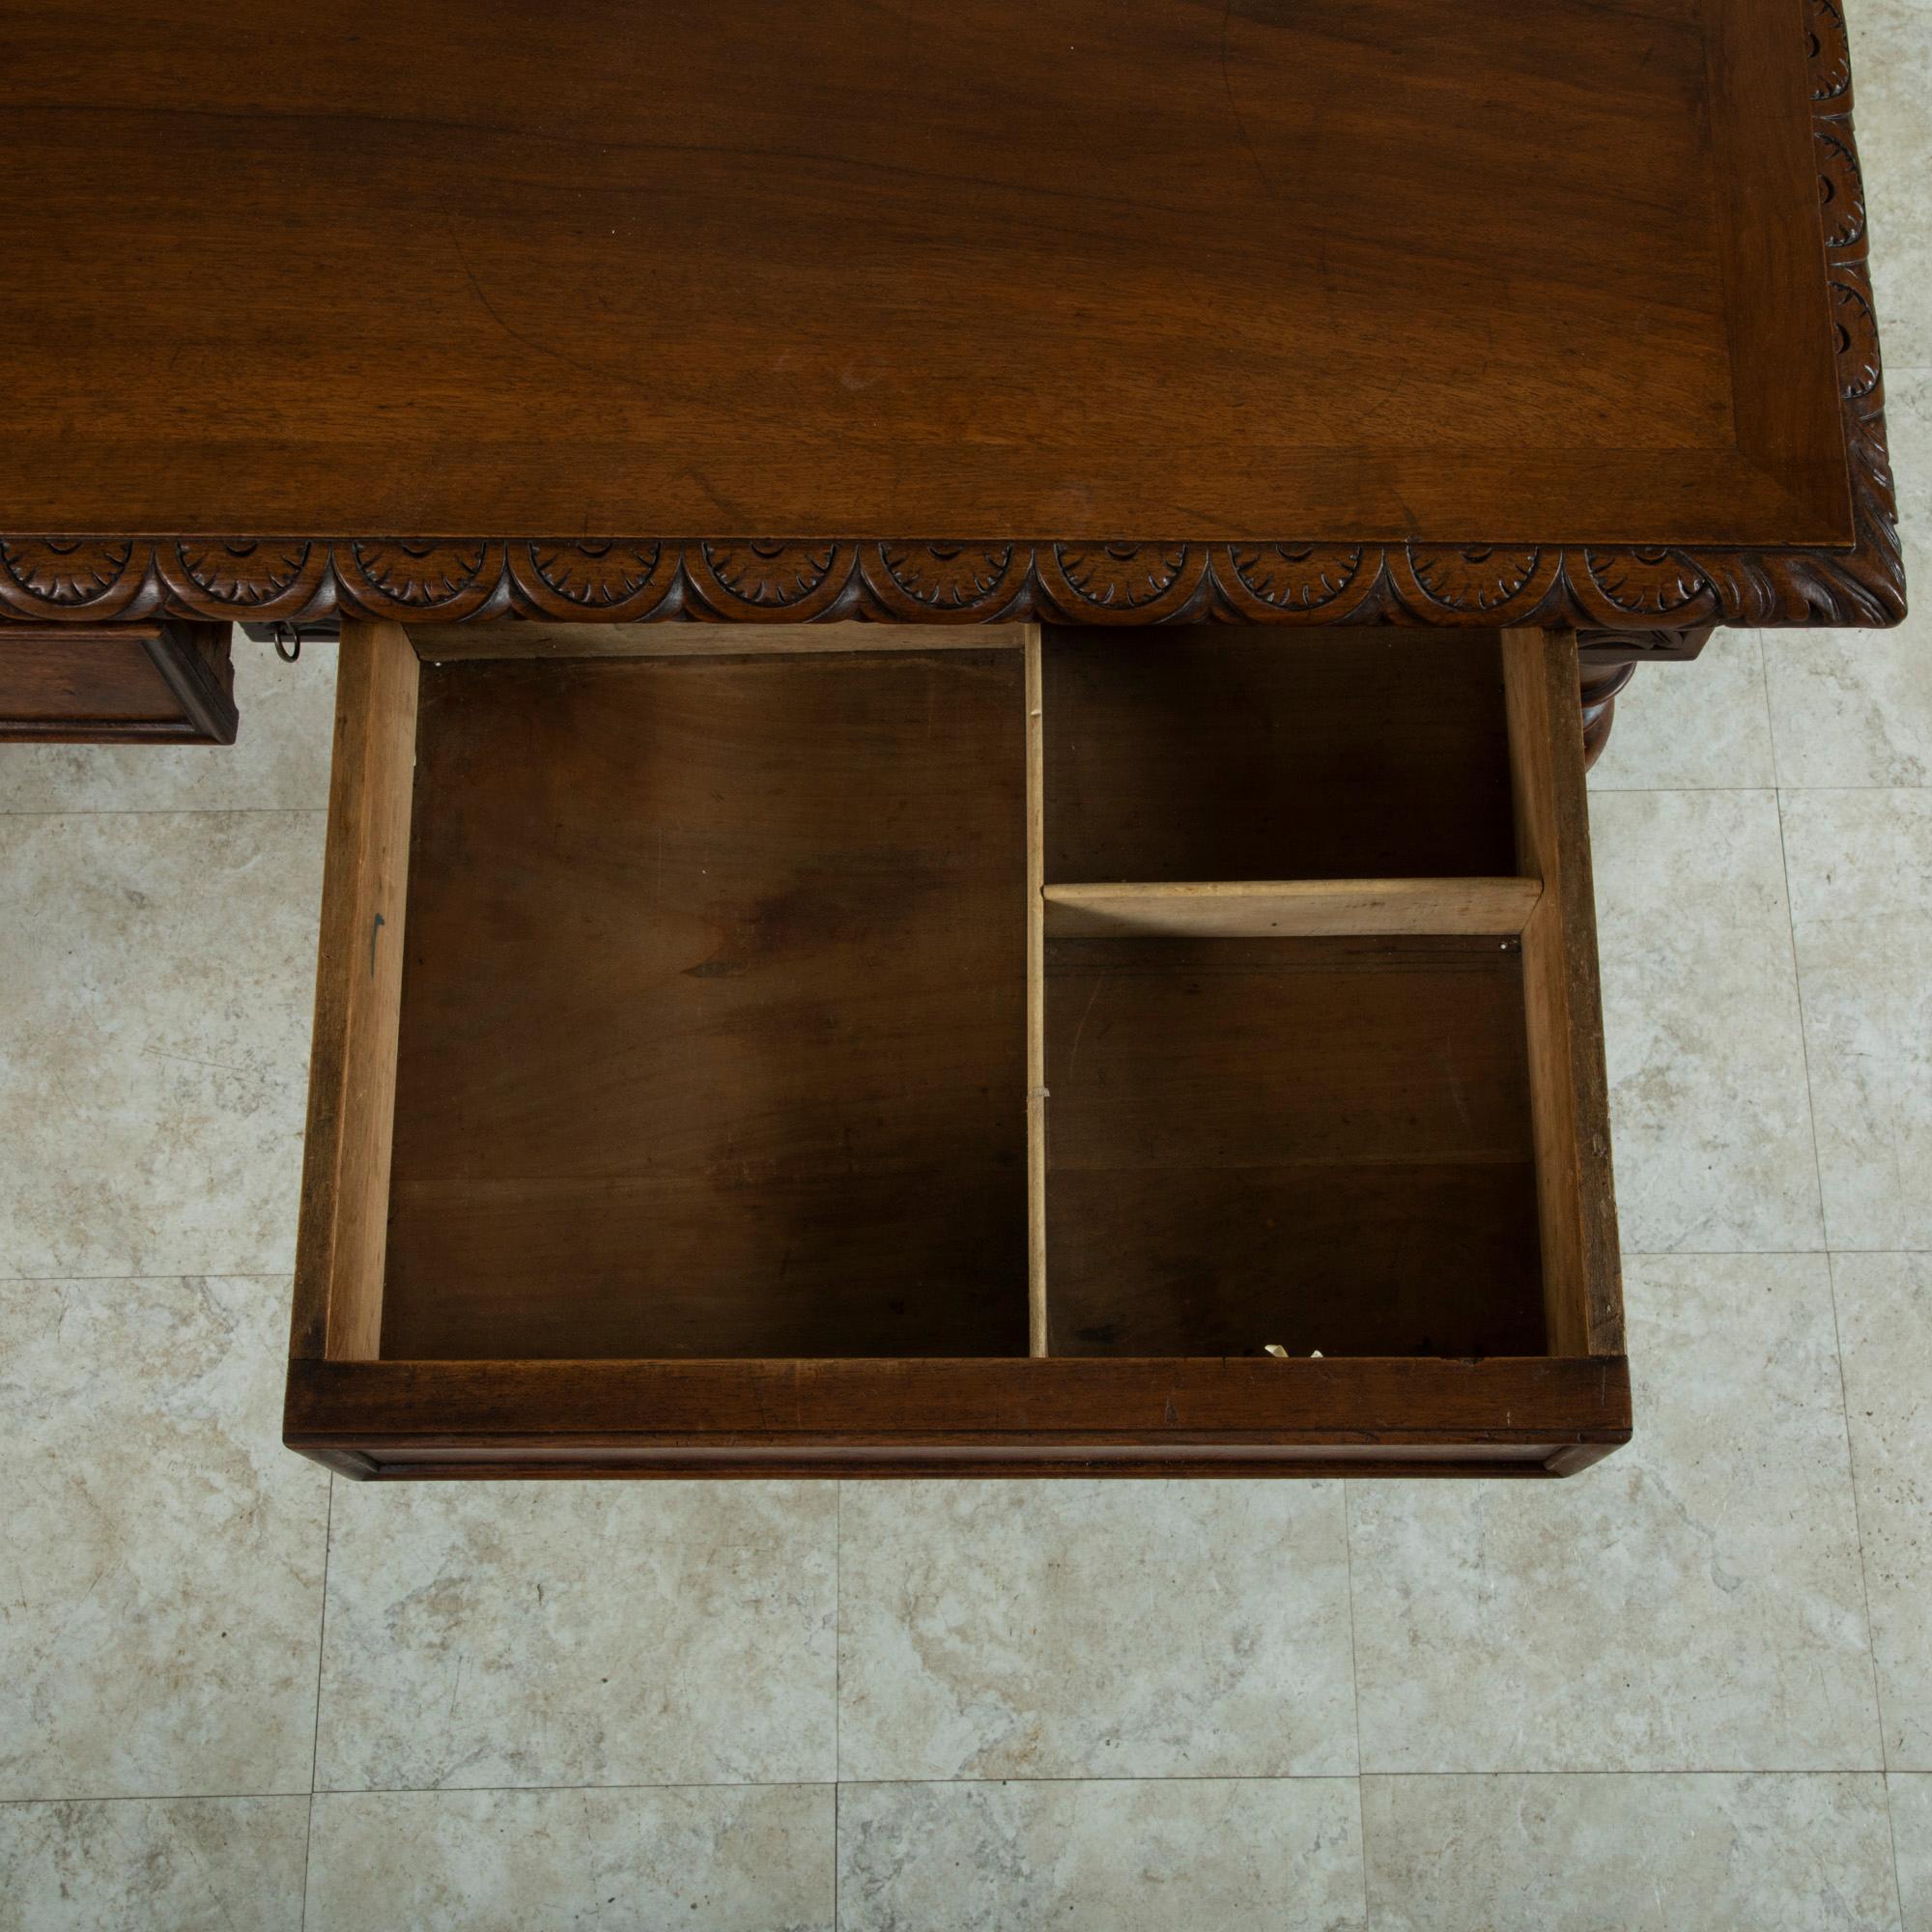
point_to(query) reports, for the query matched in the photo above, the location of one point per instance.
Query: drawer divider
(1290, 908)
(1036, 998)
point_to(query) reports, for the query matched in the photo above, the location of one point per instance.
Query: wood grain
(1036, 1098)
(1289, 908)
(1563, 1001)
(1060, 1417)
(1364, 308)
(168, 683)
(509, 637)
(1228, 753)
(714, 1025)
(341, 1242)
(1321, 1143)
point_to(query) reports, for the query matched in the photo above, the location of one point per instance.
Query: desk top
(1451, 312)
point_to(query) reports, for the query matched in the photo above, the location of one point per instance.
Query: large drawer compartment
(859, 1051)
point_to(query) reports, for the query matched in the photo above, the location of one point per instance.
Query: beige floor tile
(1718, 1852)
(186, 1864)
(160, 1612)
(1694, 1602)
(1709, 1117)
(1144, 1855)
(1093, 1630)
(579, 1633)
(1854, 707)
(1891, 77)
(278, 761)
(1693, 727)
(1884, 1332)
(717, 1859)
(1862, 916)
(157, 975)
(1911, 1845)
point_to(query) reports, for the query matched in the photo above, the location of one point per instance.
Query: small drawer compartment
(869, 1052)
(1320, 1143)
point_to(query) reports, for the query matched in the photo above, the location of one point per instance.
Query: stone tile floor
(1691, 1689)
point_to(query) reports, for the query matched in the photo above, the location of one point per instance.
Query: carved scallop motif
(246, 572)
(66, 571)
(420, 573)
(596, 575)
(1477, 577)
(1296, 577)
(1650, 582)
(771, 575)
(948, 575)
(1118, 576)
(1831, 52)
(1842, 191)
(1857, 339)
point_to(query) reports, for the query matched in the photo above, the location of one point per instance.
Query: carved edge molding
(1623, 593)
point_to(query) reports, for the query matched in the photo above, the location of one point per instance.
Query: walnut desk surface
(1044, 1050)
(1480, 312)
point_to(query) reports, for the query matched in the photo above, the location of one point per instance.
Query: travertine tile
(579, 1633)
(1885, 1335)
(160, 1612)
(1911, 1845)
(1093, 1628)
(159, 972)
(749, 1859)
(1144, 1855)
(278, 761)
(186, 1864)
(1710, 1116)
(1891, 80)
(1862, 916)
(1854, 707)
(1693, 727)
(1694, 1602)
(1656, 1854)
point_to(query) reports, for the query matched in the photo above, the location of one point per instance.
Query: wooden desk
(713, 1116)
(1522, 312)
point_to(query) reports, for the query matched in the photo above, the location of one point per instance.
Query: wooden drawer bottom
(1126, 1053)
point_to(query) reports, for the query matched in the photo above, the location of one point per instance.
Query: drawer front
(1042, 1052)
(158, 684)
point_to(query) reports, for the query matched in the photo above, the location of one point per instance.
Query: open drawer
(864, 1052)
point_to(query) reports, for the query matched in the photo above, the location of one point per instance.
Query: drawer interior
(714, 1010)
(844, 994)
(1322, 1142)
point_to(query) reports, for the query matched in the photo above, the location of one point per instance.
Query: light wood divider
(345, 1195)
(1290, 908)
(1562, 1001)
(1036, 970)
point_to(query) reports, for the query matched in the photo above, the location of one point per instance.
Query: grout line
(163, 1274)
(1804, 1031)
(1355, 1688)
(837, 1668)
(315, 1735)
(1666, 791)
(308, 1848)
(173, 811)
(826, 1784)
(1858, 1526)
(159, 1798)
(1839, 1345)
(1769, 721)
(1892, 1832)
